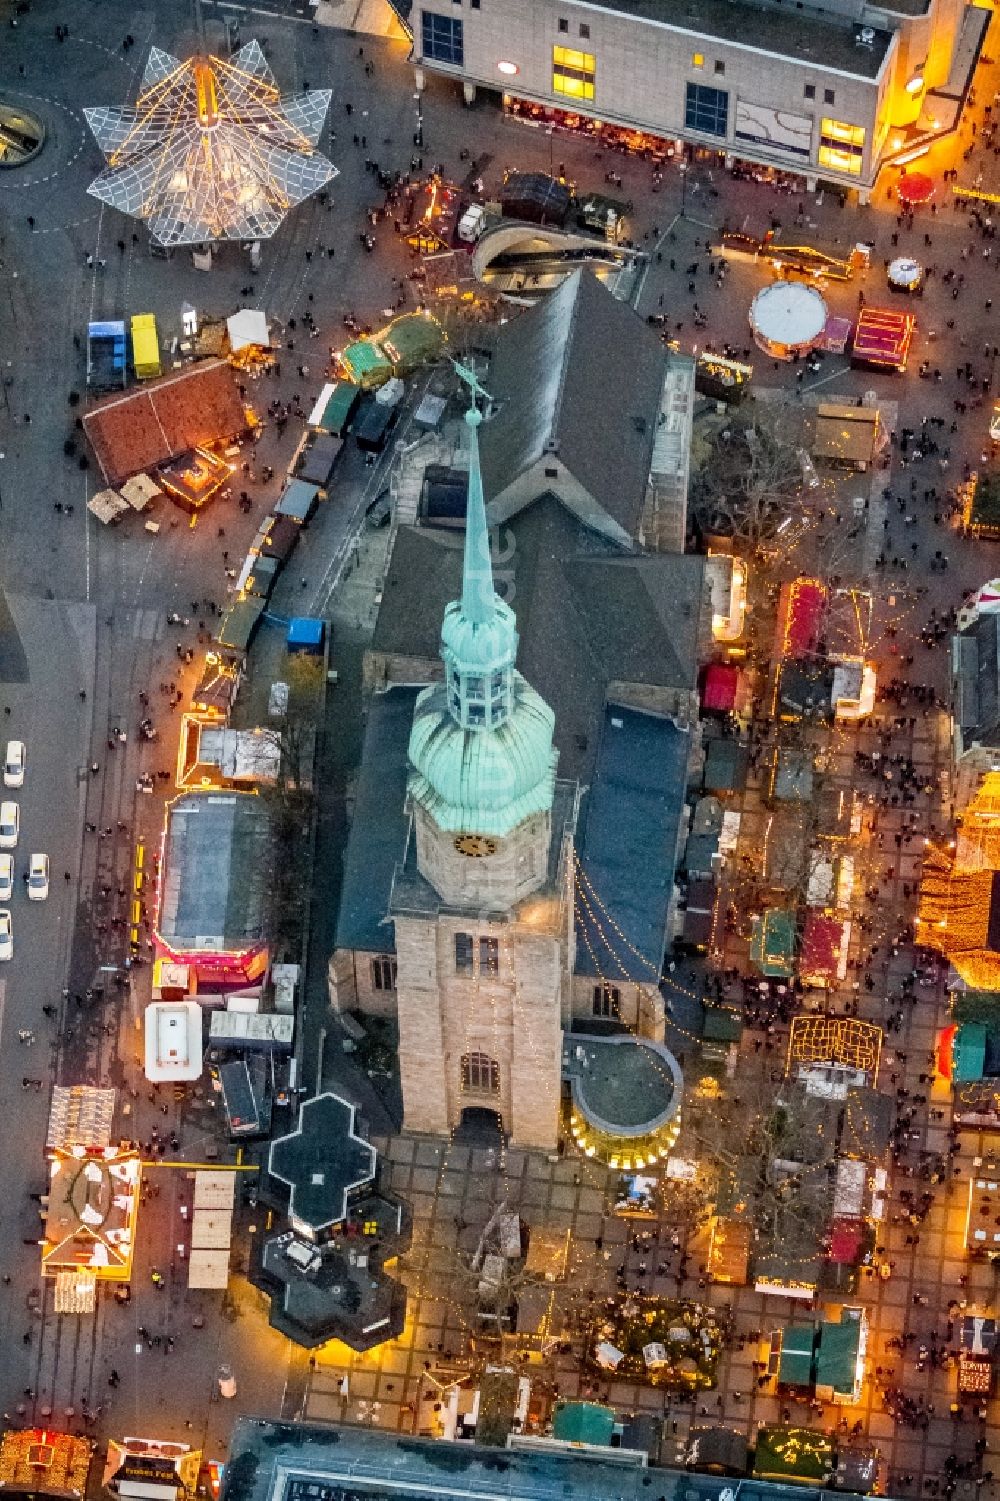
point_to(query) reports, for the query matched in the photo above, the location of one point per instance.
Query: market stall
(904, 274)
(788, 319)
(915, 187)
(882, 338)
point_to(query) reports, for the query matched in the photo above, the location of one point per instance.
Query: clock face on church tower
(475, 846)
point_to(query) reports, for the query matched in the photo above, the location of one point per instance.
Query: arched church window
(480, 1072)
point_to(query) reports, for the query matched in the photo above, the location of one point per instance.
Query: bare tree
(748, 481)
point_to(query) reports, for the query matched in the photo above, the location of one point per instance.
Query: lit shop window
(841, 146)
(573, 73)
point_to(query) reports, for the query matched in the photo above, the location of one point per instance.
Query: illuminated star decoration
(210, 150)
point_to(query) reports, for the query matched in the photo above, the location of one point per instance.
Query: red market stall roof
(800, 615)
(882, 337)
(822, 941)
(915, 187)
(164, 419)
(722, 682)
(847, 1236)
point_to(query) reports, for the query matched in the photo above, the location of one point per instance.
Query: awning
(915, 187)
(721, 685)
(824, 949)
(847, 1236)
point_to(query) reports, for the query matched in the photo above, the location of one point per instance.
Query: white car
(6, 935)
(38, 878)
(10, 825)
(13, 764)
(6, 877)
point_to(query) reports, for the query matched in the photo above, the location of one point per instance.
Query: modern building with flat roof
(270, 1461)
(827, 92)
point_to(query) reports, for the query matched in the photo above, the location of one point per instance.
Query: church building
(509, 878)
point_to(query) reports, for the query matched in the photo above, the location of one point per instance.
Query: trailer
(106, 356)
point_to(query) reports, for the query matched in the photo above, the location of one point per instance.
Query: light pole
(683, 170)
(418, 135)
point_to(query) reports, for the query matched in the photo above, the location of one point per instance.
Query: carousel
(905, 275)
(788, 319)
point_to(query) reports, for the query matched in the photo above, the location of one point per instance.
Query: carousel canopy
(210, 150)
(905, 272)
(788, 313)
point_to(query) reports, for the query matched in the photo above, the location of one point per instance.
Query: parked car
(6, 935)
(10, 825)
(13, 764)
(6, 877)
(38, 878)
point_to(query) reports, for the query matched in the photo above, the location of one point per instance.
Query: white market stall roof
(173, 1041)
(789, 313)
(247, 328)
(905, 272)
(209, 1269)
(107, 506)
(140, 490)
(214, 1190)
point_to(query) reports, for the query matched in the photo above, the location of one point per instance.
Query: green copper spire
(477, 570)
(479, 634)
(481, 752)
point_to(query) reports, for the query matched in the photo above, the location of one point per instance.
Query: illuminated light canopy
(210, 150)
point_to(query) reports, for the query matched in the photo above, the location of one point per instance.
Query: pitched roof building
(460, 822)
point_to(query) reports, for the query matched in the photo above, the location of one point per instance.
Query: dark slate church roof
(378, 828)
(977, 680)
(588, 615)
(628, 845)
(580, 375)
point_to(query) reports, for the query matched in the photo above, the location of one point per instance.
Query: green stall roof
(772, 943)
(583, 1423)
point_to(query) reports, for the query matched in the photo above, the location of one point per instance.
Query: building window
(809, 92)
(473, 4)
(441, 37)
(607, 1001)
(466, 949)
(842, 146)
(706, 109)
(697, 59)
(573, 73)
(829, 97)
(480, 1072)
(464, 953)
(720, 67)
(552, 474)
(383, 972)
(584, 31)
(563, 24)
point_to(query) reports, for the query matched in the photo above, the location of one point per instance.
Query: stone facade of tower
(489, 1036)
(484, 927)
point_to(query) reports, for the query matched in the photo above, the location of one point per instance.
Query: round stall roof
(915, 187)
(788, 313)
(905, 272)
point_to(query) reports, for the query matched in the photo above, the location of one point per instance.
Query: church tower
(483, 967)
